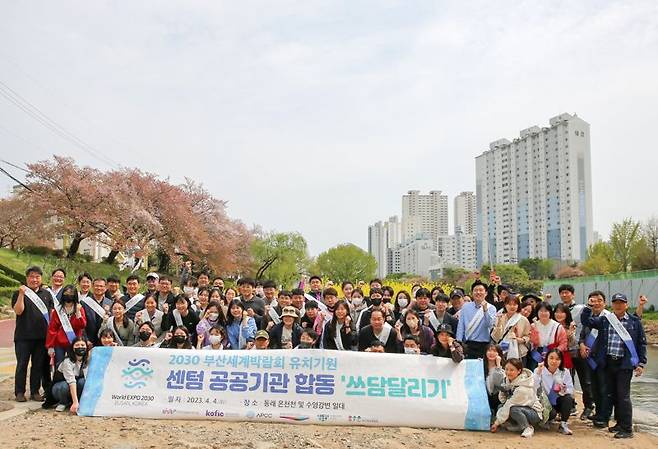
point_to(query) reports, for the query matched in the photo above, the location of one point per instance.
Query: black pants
(599, 393)
(34, 351)
(585, 377)
(562, 407)
(475, 349)
(618, 383)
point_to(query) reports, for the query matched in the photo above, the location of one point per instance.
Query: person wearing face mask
(376, 303)
(146, 335)
(67, 321)
(410, 324)
(70, 376)
(178, 339)
(150, 314)
(213, 316)
(446, 345)
(308, 339)
(357, 304)
(402, 301)
(340, 333)
(411, 345)
(216, 339)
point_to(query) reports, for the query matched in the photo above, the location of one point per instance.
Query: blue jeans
(62, 393)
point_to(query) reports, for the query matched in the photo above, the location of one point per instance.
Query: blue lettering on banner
(396, 387)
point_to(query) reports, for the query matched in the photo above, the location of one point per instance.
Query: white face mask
(189, 291)
(413, 324)
(215, 339)
(403, 302)
(213, 316)
(357, 300)
(409, 350)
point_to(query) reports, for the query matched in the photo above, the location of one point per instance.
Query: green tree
(624, 240)
(600, 259)
(509, 274)
(537, 268)
(280, 256)
(646, 257)
(346, 262)
(454, 276)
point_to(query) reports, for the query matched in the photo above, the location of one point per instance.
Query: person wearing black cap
(620, 349)
(446, 346)
(456, 302)
(475, 322)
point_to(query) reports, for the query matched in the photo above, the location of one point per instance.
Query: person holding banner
(379, 330)
(546, 334)
(32, 304)
(619, 350)
(121, 326)
(557, 383)
(240, 327)
(476, 320)
(73, 370)
(216, 339)
(67, 321)
(146, 334)
(340, 333)
(178, 339)
(133, 300)
(96, 308)
(521, 409)
(512, 330)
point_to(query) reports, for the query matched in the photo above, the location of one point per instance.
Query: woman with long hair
(70, 376)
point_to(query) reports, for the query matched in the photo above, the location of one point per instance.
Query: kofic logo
(137, 374)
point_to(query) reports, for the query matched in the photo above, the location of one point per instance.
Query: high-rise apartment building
(424, 216)
(534, 194)
(465, 213)
(381, 237)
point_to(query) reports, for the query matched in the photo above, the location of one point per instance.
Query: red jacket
(56, 335)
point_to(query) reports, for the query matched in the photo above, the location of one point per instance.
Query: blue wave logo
(137, 374)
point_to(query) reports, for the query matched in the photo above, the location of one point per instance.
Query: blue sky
(317, 116)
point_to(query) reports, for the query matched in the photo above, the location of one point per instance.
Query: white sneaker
(528, 432)
(60, 408)
(564, 429)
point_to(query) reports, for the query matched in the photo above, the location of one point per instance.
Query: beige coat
(521, 392)
(521, 329)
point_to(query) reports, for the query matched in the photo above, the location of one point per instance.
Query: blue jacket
(635, 330)
(233, 331)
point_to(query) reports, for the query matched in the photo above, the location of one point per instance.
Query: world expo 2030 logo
(138, 373)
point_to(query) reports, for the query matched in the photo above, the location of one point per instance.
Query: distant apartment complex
(534, 194)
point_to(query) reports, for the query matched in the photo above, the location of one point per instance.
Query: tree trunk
(73, 248)
(111, 257)
(163, 262)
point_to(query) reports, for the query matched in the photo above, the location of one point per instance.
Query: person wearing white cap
(152, 283)
(286, 334)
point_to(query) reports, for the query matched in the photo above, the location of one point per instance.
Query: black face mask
(80, 351)
(179, 338)
(144, 335)
(376, 301)
(304, 345)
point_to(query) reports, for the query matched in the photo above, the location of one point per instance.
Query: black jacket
(348, 339)
(277, 331)
(367, 336)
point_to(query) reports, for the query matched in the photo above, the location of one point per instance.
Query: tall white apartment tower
(465, 217)
(424, 216)
(534, 194)
(381, 237)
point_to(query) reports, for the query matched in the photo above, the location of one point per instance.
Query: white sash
(311, 298)
(474, 323)
(358, 320)
(576, 311)
(386, 331)
(625, 336)
(512, 321)
(145, 317)
(66, 323)
(110, 325)
(133, 301)
(434, 321)
(93, 305)
(275, 316)
(337, 339)
(177, 317)
(38, 302)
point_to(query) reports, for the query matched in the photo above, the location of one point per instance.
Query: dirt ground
(46, 429)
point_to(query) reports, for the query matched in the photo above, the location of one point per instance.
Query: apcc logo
(137, 374)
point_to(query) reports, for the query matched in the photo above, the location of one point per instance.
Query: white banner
(308, 386)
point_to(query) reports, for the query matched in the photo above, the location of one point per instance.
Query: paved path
(7, 356)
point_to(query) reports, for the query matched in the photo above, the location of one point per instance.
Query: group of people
(530, 349)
